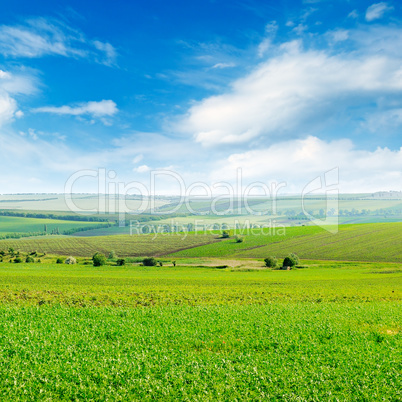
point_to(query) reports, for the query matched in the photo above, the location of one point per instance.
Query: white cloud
(299, 161)
(108, 49)
(138, 158)
(142, 169)
(377, 10)
(12, 85)
(40, 37)
(298, 89)
(95, 109)
(223, 65)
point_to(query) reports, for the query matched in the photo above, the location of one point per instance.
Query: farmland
(10, 224)
(210, 323)
(327, 331)
(360, 242)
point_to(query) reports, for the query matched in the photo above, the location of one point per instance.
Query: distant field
(363, 242)
(138, 245)
(10, 224)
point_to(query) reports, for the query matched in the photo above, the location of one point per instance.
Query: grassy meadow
(328, 331)
(212, 323)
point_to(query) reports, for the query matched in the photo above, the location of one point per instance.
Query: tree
(98, 259)
(271, 262)
(291, 260)
(149, 262)
(29, 259)
(120, 262)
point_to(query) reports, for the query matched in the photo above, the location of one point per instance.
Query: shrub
(239, 239)
(98, 260)
(29, 259)
(225, 234)
(70, 260)
(121, 261)
(270, 262)
(160, 263)
(149, 262)
(174, 263)
(17, 260)
(291, 260)
(59, 261)
(112, 255)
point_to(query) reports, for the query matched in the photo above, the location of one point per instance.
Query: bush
(270, 262)
(17, 260)
(70, 260)
(239, 239)
(160, 263)
(59, 261)
(291, 260)
(29, 259)
(149, 262)
(225, 234)
(112, 255)
(98, 260)
(121, 261)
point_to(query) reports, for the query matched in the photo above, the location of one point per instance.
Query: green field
(325, 332)
(137, 245)
(362, 242)
(219, 326)
(9, 224)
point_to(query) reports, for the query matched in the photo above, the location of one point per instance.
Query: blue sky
(283, 90)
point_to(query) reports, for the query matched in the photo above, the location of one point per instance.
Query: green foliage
(70, 260)
(59, 261)
(271, 262)
(149, 262)
(225, 234)
(121, 262)
(239, 239)
(98, 260)
(291, 260)
(160, 263)
(112, 255)
(29, 259)
(17, 260)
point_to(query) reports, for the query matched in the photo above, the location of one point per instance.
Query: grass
(123, 245)
(331, 331)
(196, 283)
(273, 352)
(10, 224)
(360, 242)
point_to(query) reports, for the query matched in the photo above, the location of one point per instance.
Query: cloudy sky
(283, 90)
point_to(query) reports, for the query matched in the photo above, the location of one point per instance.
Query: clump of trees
(149, 262)
(239, 239)
(291, 260)
(225, 234)
(271, 262)
(98, 260)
